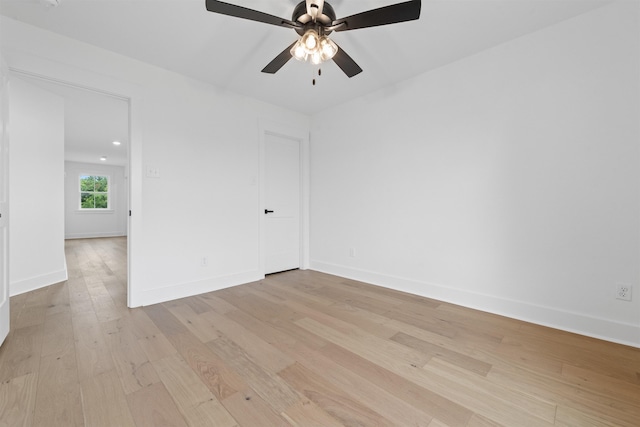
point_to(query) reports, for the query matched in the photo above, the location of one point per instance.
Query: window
(94, 192)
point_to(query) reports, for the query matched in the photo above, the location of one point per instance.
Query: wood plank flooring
(299, 348)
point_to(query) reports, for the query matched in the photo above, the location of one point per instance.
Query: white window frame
(108, 193)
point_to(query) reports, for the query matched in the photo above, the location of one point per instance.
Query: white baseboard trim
(37, 282)
(579, 323)
(95, 235)
(183, 290)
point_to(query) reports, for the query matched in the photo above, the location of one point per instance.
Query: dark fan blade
(400, 12)
(277, 63)
(346, 64)
(246, 13)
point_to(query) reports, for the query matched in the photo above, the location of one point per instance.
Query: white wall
(205, 143)
(104, 223)
(36, 170)
(508, 181)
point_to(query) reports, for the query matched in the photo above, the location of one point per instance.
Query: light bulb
(298, 51)
(310, 40)
(316, 57)
(328, 48)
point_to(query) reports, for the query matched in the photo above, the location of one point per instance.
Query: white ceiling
(182, 36)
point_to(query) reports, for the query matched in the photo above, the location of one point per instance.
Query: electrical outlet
(623, 292)
(204, 262)
(352, 252)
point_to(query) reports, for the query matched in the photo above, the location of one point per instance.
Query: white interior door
(4, 202)
(282, 203)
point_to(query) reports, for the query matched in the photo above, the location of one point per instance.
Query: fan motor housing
(327, 17)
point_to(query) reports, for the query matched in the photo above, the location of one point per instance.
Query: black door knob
(266, 211)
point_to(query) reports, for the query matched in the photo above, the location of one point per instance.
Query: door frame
(268, 127)
(85, 80)
(5, 292)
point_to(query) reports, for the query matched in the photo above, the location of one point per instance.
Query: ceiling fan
(314, 20)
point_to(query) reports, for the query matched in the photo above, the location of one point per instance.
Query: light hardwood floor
(299, 348)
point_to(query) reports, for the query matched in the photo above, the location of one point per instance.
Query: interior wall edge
(579, 323)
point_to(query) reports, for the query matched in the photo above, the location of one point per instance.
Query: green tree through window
(94, 192)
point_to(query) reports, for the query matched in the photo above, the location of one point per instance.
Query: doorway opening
(97, 149)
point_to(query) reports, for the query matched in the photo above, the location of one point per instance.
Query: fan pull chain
(319, 74)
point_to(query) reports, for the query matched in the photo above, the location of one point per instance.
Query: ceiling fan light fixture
(310, 40)
(328, 48)
(313, 47)
(316, 57)
(299, 52)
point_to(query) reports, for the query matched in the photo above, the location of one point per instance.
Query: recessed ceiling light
(103, 158)
(116, 143)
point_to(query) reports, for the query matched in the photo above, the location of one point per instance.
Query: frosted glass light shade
(298, 51)
(310, 40)
(328, 48)
(316, 57)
